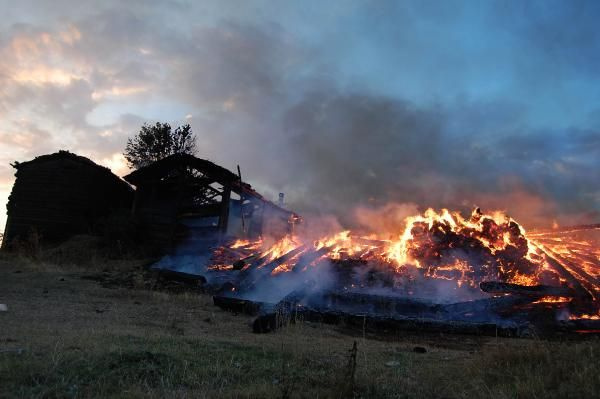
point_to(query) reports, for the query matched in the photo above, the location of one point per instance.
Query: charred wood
(354, 301)
(382, 324)
(589, 280)
(269, 267)
(241, 263)
(379, 313)
(496, 287)
(486, 305)
(282, 313)
(171, 275)
(307, 258)
(480, 310)
(256, 262)
(250, 275)
(238, 305)
(587, 258)
(573, 282)
(581, 326)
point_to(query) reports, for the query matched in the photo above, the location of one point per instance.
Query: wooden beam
(201, 211)
(289, 309)
(497, 287)
(238, 305)
(224, 217)
(573, 282)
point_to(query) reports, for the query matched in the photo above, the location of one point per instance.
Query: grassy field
(64, 335)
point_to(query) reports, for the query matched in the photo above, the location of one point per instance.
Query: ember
(439, 257)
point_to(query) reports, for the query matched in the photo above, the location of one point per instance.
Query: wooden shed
(62, 194)
(183, 198)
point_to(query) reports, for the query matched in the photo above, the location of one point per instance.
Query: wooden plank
(497, 287)
(309, 257)
(275, 319)
(563, 272)
(166, 274)
(224, 217)
(238, 305)
(269, 267)
(574, 268)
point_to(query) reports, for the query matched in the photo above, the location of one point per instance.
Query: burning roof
(164, 167)
(183, 199)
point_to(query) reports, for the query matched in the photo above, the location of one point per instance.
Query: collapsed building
(59, 195)
(177, 200)
(440, 273)
(183, 199)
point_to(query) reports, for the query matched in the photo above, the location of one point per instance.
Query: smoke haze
(362, 111)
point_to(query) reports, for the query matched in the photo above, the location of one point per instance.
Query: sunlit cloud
(42, 58)
(22, 137)
(381, 114)
(28, 46)
(116, 91)
(44, 75)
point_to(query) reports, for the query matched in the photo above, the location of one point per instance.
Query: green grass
(169, 367)
(130, 367)
(540, 369)
(81, 340)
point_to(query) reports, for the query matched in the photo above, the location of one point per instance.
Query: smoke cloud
(367, 126)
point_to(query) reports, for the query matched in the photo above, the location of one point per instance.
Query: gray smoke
(332, 149)
(275, 100)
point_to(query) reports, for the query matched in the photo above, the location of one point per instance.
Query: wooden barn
(183, 198)
(62, 194)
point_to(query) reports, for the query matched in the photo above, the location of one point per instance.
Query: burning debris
(442, 271)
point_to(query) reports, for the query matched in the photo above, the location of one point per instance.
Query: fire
(480, 268)
(343, 245)
(522, 279)
(281, 247)
(552, 299)
(246, 244)
(445, 241)
(440, 246)
(443, 245)
(585, 316)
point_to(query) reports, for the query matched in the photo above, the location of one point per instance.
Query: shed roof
(66, 155)
(161, 168)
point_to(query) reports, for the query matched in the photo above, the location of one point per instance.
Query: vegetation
(155, 142)
(64, 335)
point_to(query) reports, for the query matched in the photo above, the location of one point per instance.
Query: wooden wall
(62, 196)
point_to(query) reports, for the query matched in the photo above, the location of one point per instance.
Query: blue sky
(339, 104)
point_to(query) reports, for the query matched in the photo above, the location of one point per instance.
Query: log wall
(60, 195)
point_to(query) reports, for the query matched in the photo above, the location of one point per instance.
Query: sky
(345, 106)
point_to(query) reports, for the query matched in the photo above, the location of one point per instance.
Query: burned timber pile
(481, 275)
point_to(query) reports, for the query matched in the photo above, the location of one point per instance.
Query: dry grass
(81, 340)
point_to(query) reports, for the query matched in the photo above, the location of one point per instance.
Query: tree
(158, 141)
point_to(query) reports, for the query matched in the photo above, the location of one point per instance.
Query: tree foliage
(155, 142)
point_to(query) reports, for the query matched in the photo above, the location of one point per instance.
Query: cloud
(335, 120)
(25, 137)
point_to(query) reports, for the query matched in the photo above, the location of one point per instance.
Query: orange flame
(445, 245)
